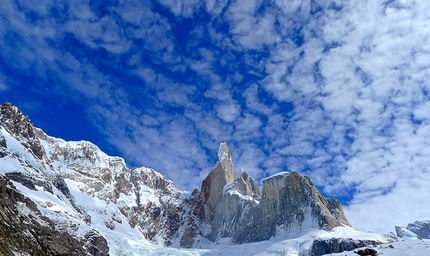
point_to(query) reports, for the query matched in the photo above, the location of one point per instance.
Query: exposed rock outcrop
(160, 210)
(238, 215)
(366, 252)
(336, 245)
(291, 200)
(288, 202)
(213, 184)
(13, 120)
(246, 185)
(418, 228)
(421, 228)
(24, 230)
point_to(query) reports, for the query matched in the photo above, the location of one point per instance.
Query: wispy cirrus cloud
(251, 28)
(103, 32)
(3, 84)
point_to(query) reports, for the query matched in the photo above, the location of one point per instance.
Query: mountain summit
(289, 202)
(73, 189)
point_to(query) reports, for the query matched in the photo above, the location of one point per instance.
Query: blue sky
(336, 89)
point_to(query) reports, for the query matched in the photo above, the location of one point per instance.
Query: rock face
(160, 210)
(237, 216)
(14, 121)
(418, 228)
(289, 203)
(421, 228)
(291, 200)
(336, 245)
(213, 184)
(26, 231)
(73, 190)
(236, 208)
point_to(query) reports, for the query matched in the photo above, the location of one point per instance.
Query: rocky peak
(421, 228)
(153, 180)
(417, 229)
(238, 213)
(292, 201)
(20, 126)
(224, 158)
(289, 202)
(25, 231)
(213, 184)
(246, 185)
(14, 120)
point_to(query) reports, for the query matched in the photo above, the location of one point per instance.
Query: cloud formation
(337, 90)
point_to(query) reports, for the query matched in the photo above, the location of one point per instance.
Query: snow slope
(408, 247)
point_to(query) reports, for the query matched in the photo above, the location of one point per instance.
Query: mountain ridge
(85, 191)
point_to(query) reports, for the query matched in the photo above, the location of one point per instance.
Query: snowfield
(408, 247)
(289, 246)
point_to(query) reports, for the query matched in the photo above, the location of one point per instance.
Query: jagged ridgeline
(74, 190)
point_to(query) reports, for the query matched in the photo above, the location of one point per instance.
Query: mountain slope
(102, 206)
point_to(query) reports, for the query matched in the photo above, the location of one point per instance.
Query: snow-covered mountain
(70, 198)
(419, 229)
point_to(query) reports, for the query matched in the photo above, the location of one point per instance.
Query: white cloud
(253, 102)
(422, 112)
(291, 7)
(3, 87)
(216, 6)
(134, 12)
(228, 112)
(81, 10)
(403, 204)
(249, 157)
(103, 33)
(182, 8)
(251, 30)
